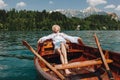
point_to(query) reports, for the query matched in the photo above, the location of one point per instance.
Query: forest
(27, 20)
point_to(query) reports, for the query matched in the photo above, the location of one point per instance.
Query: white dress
(58, 38)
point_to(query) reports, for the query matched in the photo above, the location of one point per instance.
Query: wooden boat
(84, 62)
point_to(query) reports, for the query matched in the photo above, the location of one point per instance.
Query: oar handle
(103, 58)
(110, 75)
(42, 59)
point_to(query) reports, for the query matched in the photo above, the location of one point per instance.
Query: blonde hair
(55, 26)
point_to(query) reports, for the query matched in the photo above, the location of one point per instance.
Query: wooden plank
(75, 50)
(81, 64)
(46, 69)
(51, 52)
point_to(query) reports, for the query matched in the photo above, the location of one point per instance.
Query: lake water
(16, 61)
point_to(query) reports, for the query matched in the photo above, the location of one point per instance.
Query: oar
(42, 59)
(103, 58)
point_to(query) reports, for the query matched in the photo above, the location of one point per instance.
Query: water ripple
(3, 67)
(28, 57)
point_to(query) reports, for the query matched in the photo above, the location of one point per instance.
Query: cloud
(51, 2)
(96, 2)
(20, 4)
(110, 6)
(2, 4)
(117, 8)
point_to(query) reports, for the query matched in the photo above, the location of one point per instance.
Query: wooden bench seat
(49, 52)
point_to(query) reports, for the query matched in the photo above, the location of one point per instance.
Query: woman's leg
(61, 55)
(64, 53)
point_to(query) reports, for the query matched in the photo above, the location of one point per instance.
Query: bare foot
(67, 71)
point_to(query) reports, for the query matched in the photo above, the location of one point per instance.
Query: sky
(105, 5)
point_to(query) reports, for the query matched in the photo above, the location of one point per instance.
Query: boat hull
(79, 53)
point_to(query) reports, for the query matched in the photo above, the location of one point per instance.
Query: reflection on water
(16, 62)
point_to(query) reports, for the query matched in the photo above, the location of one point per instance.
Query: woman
(59, 41)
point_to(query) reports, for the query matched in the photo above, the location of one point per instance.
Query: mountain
(83, 13)
(70, 12)
(92, 10)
